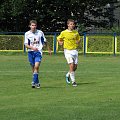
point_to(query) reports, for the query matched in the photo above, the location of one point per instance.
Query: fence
(91, 43)
(101, 43)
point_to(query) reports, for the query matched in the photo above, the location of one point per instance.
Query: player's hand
(77, 42)
(49, 51)
(35, 49)
(60, 42)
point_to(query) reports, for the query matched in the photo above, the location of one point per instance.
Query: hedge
(100, 43)
(11, 42)
(95, 43)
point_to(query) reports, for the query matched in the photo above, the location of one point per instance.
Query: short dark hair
(70, 20)
(33, 21)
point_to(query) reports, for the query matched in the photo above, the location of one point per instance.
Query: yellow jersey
(70, 39)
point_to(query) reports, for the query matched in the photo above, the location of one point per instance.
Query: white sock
(68, 74)
(72, 76)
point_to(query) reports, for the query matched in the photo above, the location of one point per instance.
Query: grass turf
(97, 96)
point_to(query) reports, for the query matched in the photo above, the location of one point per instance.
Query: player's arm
(78, 39)
(30, 47)
(60, 39)
(48, 47)
(45, 43)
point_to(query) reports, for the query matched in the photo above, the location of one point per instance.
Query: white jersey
(36, 39)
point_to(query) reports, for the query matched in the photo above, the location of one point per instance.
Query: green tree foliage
(53, 14)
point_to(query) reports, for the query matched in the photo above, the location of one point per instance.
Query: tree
(53, 14)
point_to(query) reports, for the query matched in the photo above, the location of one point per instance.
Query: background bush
(11, 42)
(95, 43)
(118, 43)
(100, 43)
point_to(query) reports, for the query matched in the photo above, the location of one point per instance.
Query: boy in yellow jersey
(70, 39)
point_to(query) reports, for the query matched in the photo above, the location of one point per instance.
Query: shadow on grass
(86, 83)
(42, 87)
(79, 84)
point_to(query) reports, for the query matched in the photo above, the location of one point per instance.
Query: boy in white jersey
(70, 39)
(34, 41)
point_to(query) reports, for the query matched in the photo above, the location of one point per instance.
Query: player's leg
(75, 58)
(32, 68)
(72, 73)
(32, 63)
(75, 67)
(72, 67)
(35, 74)
(38, 58)
(68, 77)
(70, 63)
(33, 82)
(68, 73)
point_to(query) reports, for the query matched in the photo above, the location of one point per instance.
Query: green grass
(97, 96)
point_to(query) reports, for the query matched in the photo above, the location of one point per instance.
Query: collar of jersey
(34, 32)
(69, 30)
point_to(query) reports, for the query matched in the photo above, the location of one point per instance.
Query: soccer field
(97, 96)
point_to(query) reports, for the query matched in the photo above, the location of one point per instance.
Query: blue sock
(35, 78)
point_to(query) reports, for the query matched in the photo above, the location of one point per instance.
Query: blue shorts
(34, 57)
